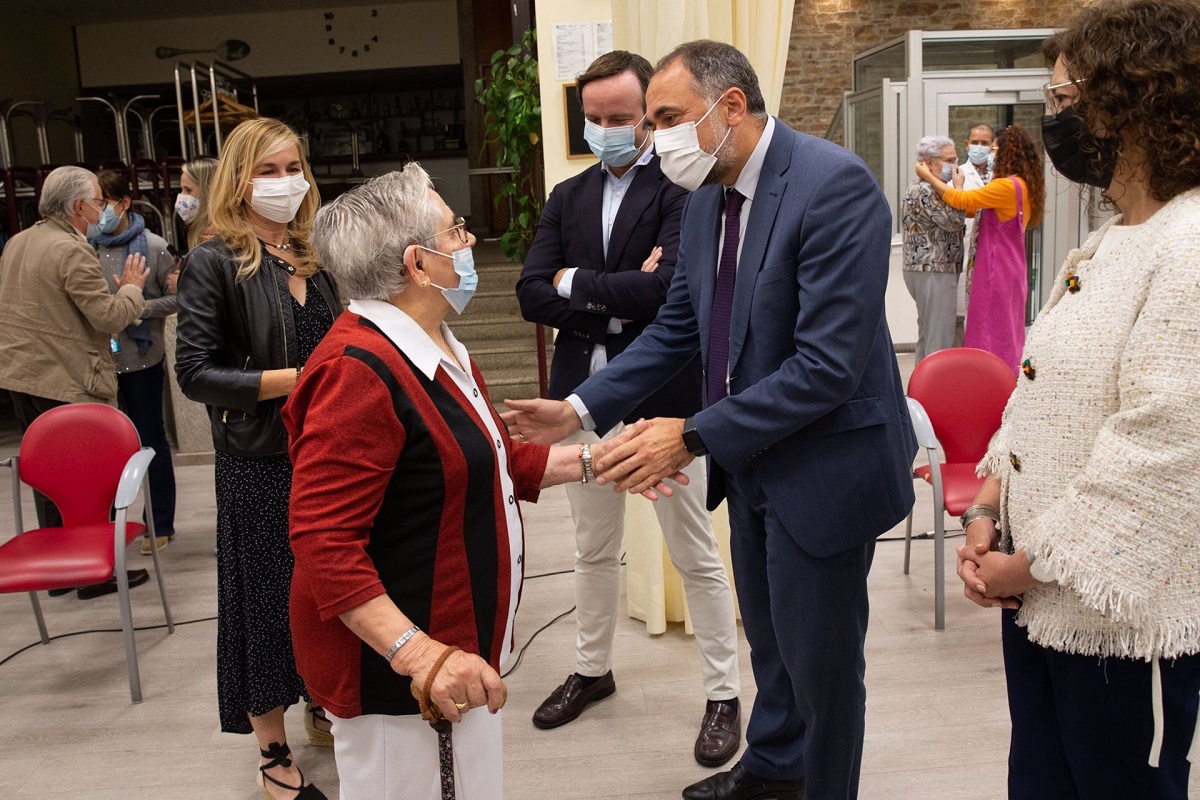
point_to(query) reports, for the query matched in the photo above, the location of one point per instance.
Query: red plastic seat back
(75, 454)
(964, 391)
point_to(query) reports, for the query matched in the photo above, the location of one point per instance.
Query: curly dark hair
(1138, 64)
(1016, 155)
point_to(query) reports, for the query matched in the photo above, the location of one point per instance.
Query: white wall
(281, 43)
(899, 307)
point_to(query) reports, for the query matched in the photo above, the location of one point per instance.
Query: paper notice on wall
(602, 35)
(572, 49)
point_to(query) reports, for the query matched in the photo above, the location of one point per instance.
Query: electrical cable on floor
(926, 535)
(30, 646)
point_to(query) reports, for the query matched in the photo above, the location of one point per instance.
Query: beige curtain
(759, 28)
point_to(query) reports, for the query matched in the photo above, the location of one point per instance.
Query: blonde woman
(253, 304)
(190, 203)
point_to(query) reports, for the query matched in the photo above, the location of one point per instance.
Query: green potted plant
(513, 123)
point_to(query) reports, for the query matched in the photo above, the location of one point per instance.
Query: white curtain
(759, 28)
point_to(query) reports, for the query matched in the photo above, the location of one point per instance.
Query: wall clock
(352, 33)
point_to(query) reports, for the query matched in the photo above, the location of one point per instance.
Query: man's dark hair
(715, 67)
(614, 63)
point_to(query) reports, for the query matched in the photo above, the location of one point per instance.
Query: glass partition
(940, 55)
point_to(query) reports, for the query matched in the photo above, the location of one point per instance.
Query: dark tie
(722, 307)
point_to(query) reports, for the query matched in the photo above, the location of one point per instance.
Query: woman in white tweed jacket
(1087, 530)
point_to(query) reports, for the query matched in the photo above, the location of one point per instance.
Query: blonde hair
(250, 143)
(200, 172)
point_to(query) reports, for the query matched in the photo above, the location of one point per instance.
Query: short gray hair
(62, 187)
(716, 67)
(932, 146)
(362, 235)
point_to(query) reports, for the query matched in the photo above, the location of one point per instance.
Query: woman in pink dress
(1010, 203)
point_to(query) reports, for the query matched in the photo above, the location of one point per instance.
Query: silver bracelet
(979, 511)
(585, 461)
(404, 637)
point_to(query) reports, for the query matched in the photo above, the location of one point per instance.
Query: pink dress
(996, 313)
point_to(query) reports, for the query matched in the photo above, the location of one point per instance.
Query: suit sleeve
(841, 273)
(106, 311)
(535, 289)
(630, 293)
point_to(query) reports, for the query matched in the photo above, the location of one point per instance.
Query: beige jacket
(57, 314)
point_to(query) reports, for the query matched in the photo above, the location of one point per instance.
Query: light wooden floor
(937, 725)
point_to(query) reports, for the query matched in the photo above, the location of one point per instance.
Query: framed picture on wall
(577, 146)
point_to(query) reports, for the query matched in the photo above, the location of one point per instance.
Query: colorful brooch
(1027, 368)
(1072, 282)
(1016, 462)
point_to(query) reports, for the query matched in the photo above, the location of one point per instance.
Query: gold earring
(424, 284)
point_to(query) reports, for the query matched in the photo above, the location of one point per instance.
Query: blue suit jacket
(570, 234)
(816, 412)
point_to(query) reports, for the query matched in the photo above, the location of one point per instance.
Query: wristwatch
(691, 438)
(1039, 569)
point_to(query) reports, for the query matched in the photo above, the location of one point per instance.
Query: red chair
(955, 399)
(88, 460)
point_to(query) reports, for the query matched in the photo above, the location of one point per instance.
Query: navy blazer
(816, 413)
(571, 234)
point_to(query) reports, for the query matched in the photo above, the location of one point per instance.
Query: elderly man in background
(57, 315)
(933, 248)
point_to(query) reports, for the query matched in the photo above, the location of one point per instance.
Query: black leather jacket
(229, 332)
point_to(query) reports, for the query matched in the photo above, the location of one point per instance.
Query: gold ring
(462, 706)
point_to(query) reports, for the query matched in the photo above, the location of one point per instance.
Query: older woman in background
(404, 516)
(1009, 204)
(253, 304)
(1089, 513)
(933, 243)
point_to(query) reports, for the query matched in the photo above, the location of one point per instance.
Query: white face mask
(683, 162)
(278, 199)
(187, 206)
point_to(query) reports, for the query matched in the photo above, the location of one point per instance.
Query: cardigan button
(510, 500)
(1072, 282)
(1016, 462)
(1027, 368)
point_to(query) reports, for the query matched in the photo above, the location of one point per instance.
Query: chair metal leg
(37, 615)
(152, 533)
(135, 683)
(908, 539)
(939, 571)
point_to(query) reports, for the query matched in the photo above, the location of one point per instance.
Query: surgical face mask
(978, 153)
(947, 171)
(683, 162)
(93, 228)
(109, 220)
(187, 206)
(616, 147)
(468, 278)
(278, 199)
(1072, 148)
(991, 161)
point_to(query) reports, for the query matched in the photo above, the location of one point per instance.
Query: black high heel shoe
(278, 753)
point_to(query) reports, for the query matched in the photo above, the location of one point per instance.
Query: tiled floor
(937, 725)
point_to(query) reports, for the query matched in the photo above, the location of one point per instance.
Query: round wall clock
(353, 34)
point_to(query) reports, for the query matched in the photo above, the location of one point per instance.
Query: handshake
(638, 461)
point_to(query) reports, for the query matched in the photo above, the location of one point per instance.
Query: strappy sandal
(278, 753)
(317, 737)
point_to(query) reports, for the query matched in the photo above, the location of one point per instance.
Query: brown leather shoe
(567, 702)
(720, 734)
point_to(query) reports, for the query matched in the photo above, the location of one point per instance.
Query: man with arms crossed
(598, 271)
(804, 418)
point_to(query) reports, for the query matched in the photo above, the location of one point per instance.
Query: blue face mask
(991, 160)
(108, 219)
(947, 171)
(978, 153)
(468, 278)
(616, 147)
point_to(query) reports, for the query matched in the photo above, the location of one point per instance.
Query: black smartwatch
(691, 438)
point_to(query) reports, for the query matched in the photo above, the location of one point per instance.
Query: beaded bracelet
(585, 461)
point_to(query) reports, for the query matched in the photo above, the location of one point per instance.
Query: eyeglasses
(459, 229)
(1056, 99)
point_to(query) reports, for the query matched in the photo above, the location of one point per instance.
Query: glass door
(875, 122)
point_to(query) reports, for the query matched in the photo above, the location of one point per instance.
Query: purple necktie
(722, 307)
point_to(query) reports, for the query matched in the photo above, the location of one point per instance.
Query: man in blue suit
(598, 271)
(780, 285)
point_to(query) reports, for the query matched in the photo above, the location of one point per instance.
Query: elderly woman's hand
(463, 682)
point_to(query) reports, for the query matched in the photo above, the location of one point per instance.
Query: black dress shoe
(136, 578)
(741, 784)
(567, 702)
(720, 734)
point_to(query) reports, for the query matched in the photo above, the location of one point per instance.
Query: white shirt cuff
(564, 283)
(614, 325)
(585, 416)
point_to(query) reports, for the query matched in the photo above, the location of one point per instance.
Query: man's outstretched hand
(644, 455)
(540, 421)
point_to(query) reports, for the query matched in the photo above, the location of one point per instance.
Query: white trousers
(599, 515)
(382, 757)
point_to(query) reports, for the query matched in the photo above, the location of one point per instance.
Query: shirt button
(498, 444)
(520, 559)
(475, 392)
(510, 500)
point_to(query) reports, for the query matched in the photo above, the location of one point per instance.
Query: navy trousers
(806, 620)
(27, 408)
(1082, 725)
(140, 395)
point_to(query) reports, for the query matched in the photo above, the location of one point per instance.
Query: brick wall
(826, 34)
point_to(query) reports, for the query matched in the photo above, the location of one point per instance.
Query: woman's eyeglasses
(459, 229)
(1057, 99)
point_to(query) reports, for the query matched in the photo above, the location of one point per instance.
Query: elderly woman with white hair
(933, 248)
(404, 516)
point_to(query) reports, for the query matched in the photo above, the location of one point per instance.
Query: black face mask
(1065, 137)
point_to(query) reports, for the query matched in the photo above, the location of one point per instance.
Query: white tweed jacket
(1098, 451)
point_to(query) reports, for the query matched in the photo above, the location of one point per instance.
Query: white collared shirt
(426, 356)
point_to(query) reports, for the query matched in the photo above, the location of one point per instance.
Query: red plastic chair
(88, 460)
(955, 399)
